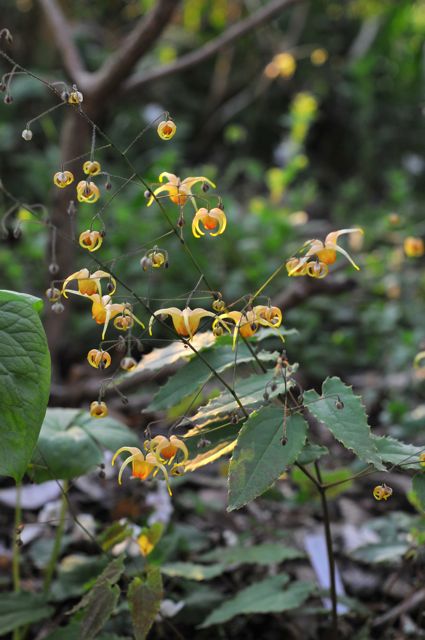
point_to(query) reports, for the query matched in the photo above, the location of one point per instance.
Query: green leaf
(114, 534)
(64, 449)
(250, 392)
(418, 486)
(192, 571)
(74, 575)
(311, 453)
(384, 552)
(260, 458)
(19, 609)
(144, 599)
(109, 576)
(262, 597)
(263, 554)
(194, 375)
(71, 441)
(102, 605)
(347, 424)
(25, 380)
(397, 452)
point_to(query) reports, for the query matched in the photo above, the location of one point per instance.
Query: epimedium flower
(155, 258)
(210, 219)
(141, 466)
(185, 322)
(324, 252)
(178, 190)
(413, 247)
(247, 323)
(128, 363)
(91, 167)
(166, 449)
(98, 358)
(75, 96)
(63, 179)
(87, 192)
(166, 129)
(90, 240)
(104, 310)
(98, 409)
(382, 492)
(88, 283)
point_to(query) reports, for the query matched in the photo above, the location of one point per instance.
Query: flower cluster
(248, 322)
(319, 255)
(159, 452)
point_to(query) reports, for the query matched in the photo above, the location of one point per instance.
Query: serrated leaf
(249, 390)
(263, 554)
(102, 605)
(144, 599)
(418, 486)
(109, 576)
(397, 452)
(347, 424)
(74, 574)
(71, 441)
(259, 458)
(262, 597)
(193, 571)
(25, 380)
(19, 609)
(195, 374)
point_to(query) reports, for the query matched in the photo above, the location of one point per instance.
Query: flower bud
(27, 134)
(128, 363)
(53, 268)
(8, 99)
(58, 307)
(53, 294)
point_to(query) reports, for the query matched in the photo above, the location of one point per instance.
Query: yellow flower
(166, 129)
(91, 240)
(88, 283)
(128, 364)
(186, 322)
(91, 167)
(247, 323)
(123, 323)
(87, 191)
(141, 466)
(422, 459)
(166, 449)
(325, 253)
(99, 359)
(382, 492)
(413, 247)
(155, 258)
(178, 190)
(319, 57)
(98, 409)
(282, 64)
(210, 219)
(104, 310)
(75, 96)
(63, 178)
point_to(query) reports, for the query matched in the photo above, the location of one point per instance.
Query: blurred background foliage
(311, 123)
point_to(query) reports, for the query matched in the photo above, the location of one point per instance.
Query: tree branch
(64, 42)
(265, 14)
(118, 66)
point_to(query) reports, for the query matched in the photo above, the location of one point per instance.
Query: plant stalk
(50, 569)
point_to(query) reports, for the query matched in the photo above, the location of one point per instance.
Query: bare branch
(265, 14)
(119, 65)
(64, 42)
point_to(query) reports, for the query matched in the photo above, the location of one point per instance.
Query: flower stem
(58, 540)
(330, 551)
(16, 552)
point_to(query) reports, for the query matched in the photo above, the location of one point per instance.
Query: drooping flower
(324, 252)
(91, 240)
(88, 283)
(63, 178)
(210, 219)
(141, 466)
(75, 96)
(382, 492)
(186, 322)
(178, 190)
(98, 409)
(91, 167)
(166, 449)
(413, 247)
(104, 310)
(166, 129)
(154, 258)
(87, 192)
(247, 323)
(99, 359)
(128, 363)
